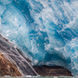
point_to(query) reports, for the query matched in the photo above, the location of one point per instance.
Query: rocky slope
(12, 60)
(8, 68)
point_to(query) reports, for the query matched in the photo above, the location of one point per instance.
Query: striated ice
(46, 31)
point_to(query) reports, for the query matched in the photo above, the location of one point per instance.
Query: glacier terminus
(45, 30)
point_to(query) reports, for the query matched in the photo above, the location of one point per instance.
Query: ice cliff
(45, 30)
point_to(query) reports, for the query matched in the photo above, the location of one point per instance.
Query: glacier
(46, 31)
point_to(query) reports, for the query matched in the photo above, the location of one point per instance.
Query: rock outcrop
(12, 60)
(52, 71)
(8, 68)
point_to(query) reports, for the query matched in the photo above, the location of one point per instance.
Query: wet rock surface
(16, 59)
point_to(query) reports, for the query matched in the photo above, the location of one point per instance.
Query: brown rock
(8, 68)
(14, 60)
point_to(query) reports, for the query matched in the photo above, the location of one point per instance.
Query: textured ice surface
(45, 30)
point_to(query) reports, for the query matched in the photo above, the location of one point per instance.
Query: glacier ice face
(45, 30)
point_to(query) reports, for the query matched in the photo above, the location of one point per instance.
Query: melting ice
(45, 30)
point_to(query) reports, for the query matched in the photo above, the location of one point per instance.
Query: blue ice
(46, 31)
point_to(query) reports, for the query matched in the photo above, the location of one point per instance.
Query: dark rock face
(15, 58)
(52, 71)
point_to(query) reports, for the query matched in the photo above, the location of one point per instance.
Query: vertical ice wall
(45, 30)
